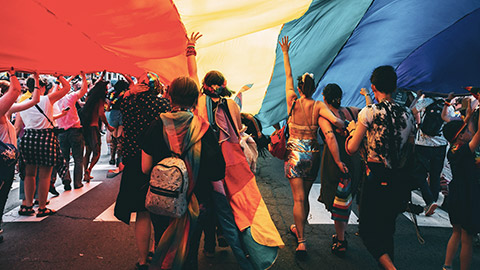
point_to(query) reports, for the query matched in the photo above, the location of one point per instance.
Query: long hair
(96, 94)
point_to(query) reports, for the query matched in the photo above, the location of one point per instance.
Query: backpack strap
(41, 111)
(351, 113)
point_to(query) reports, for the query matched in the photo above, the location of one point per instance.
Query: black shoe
(77, 187)
(53, 190)
(67, 187)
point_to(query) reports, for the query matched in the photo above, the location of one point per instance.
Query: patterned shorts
(303, 159)
(39, 147)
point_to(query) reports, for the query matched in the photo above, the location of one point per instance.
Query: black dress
(330, 173)
(138, 112)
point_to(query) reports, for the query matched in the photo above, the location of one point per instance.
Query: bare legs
(340, 228)
(301, 207)
(459, 235)
(143, 229)
(44, 174)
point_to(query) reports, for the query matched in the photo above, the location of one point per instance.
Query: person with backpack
(389, 129)
(188, 142)
(430, 149)
(139, 107)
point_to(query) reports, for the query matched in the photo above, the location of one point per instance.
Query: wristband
(36, 87)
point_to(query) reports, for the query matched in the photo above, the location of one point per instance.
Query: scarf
(182, 131)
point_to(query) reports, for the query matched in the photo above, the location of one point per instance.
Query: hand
(245, 88)
(193, 38)
(363, 91)
(285, 44)
(469, 111)
(110, 128)
(351, 127)
(419, 93)
(12, 71)
(343, 168)
(36, 76)
(450, 96)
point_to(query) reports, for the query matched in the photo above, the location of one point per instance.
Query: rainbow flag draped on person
(243, 215)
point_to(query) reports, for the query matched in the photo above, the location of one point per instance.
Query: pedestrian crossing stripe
(56, 203)
(439, 219)
(318, 212)
(108, 216)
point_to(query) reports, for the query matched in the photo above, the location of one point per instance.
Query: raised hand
(285, 44)
(192, 40)
(363, 91)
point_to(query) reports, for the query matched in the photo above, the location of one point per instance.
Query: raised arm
(18, 107)
(129, 79)
(332, 143)
(56, 95)
(192, 56)
(84, 88)
(368, 98)
(289, 90)
(14, 90)
(445, 116)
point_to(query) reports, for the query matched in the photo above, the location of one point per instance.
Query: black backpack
(432, 121)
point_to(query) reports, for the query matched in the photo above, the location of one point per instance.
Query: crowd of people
(379, 153)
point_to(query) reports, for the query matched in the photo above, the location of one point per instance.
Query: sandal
(293, 231)
(26, 210)
(301, 254)
(36, 202)
(45, 212)
(139, 266)
(340, 248)
(150, 257)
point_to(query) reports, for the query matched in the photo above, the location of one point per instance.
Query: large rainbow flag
(433, 44)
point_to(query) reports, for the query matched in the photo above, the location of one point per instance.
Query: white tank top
(33, 119)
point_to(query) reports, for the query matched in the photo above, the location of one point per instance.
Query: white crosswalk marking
(318, 213)
(107, 215)
(56, 203)
(439, 219)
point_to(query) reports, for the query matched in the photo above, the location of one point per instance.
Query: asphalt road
(71, 239)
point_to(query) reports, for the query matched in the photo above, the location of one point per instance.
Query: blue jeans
(72, 139)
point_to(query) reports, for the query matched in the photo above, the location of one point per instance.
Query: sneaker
(53, 190)
(79, 186)
(67, 187)
(430, 209)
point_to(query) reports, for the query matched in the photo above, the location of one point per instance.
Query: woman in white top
(9, 93)
(39, 147)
